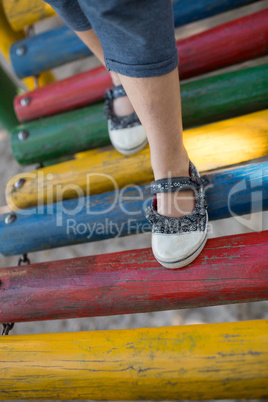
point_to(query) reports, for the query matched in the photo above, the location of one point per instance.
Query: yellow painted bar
(21, 13)
(101, 170)
(7, 37)
(195, 362)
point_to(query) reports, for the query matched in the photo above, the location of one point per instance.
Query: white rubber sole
(132, 150)
(128, 141)
(187, 260)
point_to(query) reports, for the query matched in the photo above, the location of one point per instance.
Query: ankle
(175, 166)
(175, 204)
(122, 106)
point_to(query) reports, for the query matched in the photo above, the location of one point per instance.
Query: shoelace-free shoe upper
(118, 122)
(196, 220)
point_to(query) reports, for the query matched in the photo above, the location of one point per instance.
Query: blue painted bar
(50, 49)
(60, 45)
(187, 11)
(112, 214)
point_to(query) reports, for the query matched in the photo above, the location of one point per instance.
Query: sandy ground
(217, 314)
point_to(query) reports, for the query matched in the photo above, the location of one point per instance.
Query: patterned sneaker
(176, 242)
(126, 132)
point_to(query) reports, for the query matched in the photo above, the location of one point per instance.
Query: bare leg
(157, 102)
(122, 105)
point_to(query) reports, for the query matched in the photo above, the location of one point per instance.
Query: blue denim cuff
(143, 70)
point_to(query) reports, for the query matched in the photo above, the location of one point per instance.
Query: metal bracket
(7, 327)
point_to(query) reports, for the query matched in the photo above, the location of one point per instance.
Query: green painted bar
(51, 162)
(8, 91)
(225, 96)
(60, 135)
(203, 101)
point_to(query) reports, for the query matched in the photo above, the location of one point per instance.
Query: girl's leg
(155, 97)
(122, 105)
(74, 17)
(157, 102)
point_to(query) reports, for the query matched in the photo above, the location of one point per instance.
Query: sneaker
(126, 132)
(176, 242)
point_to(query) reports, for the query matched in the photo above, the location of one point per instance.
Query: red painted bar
(227, 44)
(230, 269)
(199, 54)
(70, 93)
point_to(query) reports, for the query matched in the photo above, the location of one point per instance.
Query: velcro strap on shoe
(203, 181)
(115, 92)
(173, 184)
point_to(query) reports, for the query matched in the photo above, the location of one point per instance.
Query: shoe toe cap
(128, 138)
(175, 247)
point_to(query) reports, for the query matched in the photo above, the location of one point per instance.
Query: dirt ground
(217, 314)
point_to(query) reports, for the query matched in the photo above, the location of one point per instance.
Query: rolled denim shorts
(137, 36)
